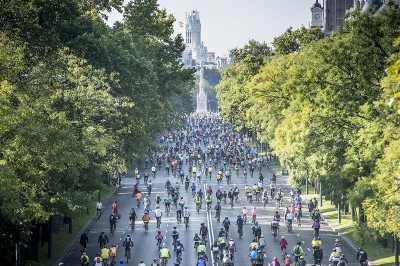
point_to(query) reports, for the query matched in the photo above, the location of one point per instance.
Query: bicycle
(98, 214)
(244, 218)
(284, 253)
(112, 229)
(289, 227)
(159, 241)
(164, 261)
(158, 222)
(168, 209)
(231, 202)
(146, 227)
(132, 225)
(198, 208)
(186, 222)
(128, 254)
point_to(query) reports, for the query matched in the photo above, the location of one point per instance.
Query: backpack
(363, 256)
(98, 260)
(84, 259)
(297, 250)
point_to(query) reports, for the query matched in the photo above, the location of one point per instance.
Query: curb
(64, 254)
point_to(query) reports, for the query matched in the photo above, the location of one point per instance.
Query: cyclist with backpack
(98, 261)
(362, 256)
(297, 252)
(103, 240)
(84, 259)
(128, 244)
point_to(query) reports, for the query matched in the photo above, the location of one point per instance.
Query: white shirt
(289, 216)
(158, 213)
(153, 169)
(98, 263)
(186, 213)
(99, 205)
(261, 242)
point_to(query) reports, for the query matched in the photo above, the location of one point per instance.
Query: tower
(317, 15)
(193, 29)
(193, 42)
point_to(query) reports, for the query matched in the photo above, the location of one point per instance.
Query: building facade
(334, 13)
(317, 15)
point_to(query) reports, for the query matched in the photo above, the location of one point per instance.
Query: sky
(226, 24)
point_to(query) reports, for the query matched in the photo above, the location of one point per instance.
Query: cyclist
(186, 215)
(203, 231)
(164, 253)
(99, 206)
(146, 175)
(253, 245)
(113, 253)
(226, 223)
(244, 213)
(209, 190)
(208, 201)
(277, 217)
(196, 240)
(289, 218)
(153, 170)
(283, 243)
(98, 261)
(256, 230)
(132, 216)
(113, 221)
(200, 193)
(138, 197)
(83, 241)
(197, 200)
(179, 248)
(232, 245)
(155, 262)
(149, 186)
(105, 254)
(221, 232)
(168, 185)
(239, 223)
(261, 242)
(275, 262)
(179, 209)
(146, 219)
(221, 243)
(158, 199)
(175, 235)
(103, 240)
(287, 261)
(297, 251)
(254, 214)
(146, 201)
(362, 255)
(215, 248)
(217, 209)
(159, 237)
(167, 203)
(115, 208)
(187, 182)
(201, 251)
(84, 260)
(253, 255)
(193, 187)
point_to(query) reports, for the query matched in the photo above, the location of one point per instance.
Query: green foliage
(320, 105)
(79, 100)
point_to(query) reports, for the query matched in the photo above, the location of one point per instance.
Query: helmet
(177, 241)
(98, 254)
(202, 224)
(102, 233)
(155, 259)
(254, 248)
(222, 229)
(299, 243)
(158, 195)
(254, 208)
(113, 245)
(275, 258)
(84, 253)
(147, 196)
(341, 257)
(159, 232)
(276, 212)
(261, 235)
(334, 249)
(244, 207)
(174, 227)
(361, 249)
(288, 256)
(239, 216)
(128, 235)
(196, 234)
(301, 257)
(226, 217)
(121, 262)
(256, 223)
(186, 207)
(318, 238)
(283, 237)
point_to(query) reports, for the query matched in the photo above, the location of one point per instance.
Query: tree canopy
(80, 100)
(328, 106)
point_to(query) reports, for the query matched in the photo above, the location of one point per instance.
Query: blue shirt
(253, 254)
(239, 221)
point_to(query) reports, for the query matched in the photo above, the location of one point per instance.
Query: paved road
(145, 244)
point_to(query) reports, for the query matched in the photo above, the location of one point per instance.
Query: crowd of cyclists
(207, 150)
